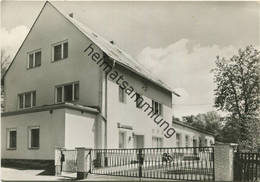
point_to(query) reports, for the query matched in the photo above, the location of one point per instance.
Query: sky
(177, 41)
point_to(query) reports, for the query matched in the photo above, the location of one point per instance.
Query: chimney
(71, 15)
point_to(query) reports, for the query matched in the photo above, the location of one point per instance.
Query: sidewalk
(11, 174)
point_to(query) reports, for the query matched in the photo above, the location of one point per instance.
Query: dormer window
(67, 92)
(27, 100)
(157, 107)
(34, 59)
(60, 51)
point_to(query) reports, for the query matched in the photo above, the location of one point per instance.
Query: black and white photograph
(130, 91)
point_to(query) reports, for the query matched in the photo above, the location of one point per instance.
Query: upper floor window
(11, 138)
(122, 95)
(157, 107)
(60, 51)
(34, 137)
(27, 100)
(34, 59)
(139, 100)
(67, 92)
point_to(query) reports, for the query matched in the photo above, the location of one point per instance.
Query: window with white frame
(34, 137)
(11, 138)
(27, 100)
(157, 107)
(122, 139)
(67, 92)
(60, 51)
(34, 59)
(157, 142)
(122, 95)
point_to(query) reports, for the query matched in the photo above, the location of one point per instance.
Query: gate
(247, 167)
(69, 160)
(187, 163)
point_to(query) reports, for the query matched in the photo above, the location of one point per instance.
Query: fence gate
(188, 163)
(247, 167)
(69, 160)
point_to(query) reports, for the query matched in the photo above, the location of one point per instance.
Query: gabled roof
(114, 52)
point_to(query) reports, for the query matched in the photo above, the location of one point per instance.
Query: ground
(36, 175)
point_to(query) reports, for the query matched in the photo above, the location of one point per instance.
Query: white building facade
(57, 96)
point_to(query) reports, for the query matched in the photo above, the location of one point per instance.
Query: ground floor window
(122, 139)
(187, 142)
(34, 137)
(178, 139)
(11, 138)
(157, 142)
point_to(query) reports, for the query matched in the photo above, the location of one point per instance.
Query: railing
(247, 167)
(188, 163)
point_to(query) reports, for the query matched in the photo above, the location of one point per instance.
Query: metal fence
(187, 163)
(247, 167)
(70, 161)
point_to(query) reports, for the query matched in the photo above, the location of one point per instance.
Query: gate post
(83, 159)
(223, 162)
(57, 161)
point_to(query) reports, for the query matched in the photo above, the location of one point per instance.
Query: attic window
(60, 51)
(34, 59)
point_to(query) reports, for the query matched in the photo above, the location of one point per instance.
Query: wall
(79, 129)
(51, 134)
(50, 28)
(128, 114)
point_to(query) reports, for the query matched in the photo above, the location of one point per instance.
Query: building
(189, 136)
(56, 95)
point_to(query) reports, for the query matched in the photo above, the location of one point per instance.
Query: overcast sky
(177, 41)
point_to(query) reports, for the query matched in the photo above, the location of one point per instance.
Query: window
(139, 100)
(157, 107)
(122, 95)
(187, 141)
(60, 51)
(206, 142)
(27, 100)
(67, 92)
(211, 142)
(34, 59)
(157, 142)
(122, 140)
(34, 137)
(200, 142)
(178, 140)
(11, 138)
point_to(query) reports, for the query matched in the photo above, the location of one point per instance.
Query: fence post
(82, 162)
(57, 161)
(223, 162)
